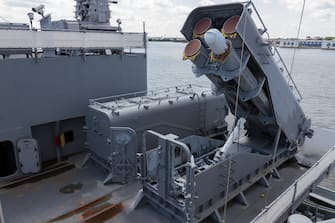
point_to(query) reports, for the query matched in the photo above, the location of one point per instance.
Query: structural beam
(22, 39)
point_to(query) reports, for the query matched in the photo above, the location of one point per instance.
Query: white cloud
(163, 18)
(16, 10)
(206, 2)
(293, 4)
(166, 17)
(321, 9)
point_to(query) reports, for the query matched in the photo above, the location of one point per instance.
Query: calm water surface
(314, 73)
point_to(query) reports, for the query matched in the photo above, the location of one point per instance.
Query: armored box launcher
(115, 125)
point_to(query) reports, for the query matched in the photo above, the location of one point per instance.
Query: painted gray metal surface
(175, 179)
(46, 133)
(49, 202)
(93, 11)
(324, 194)
(45, 92)
(29, 157)
(183, 110)
(288, 112)
(89, 14)
(245, 70)
(59, 88)
(187, 196)
(36, 94)
(287, 200)
(262, 83)
(72, 40)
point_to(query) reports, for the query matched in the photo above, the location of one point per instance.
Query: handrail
(288, 72)
(190, 166)
(276, 50)
(265, 30)
(179, 144)
(146, 94)
(279, 206)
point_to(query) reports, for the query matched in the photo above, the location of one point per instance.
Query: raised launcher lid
(192, 49)
(202, 26)
(229, 27)
(146, 98)
(218, 13)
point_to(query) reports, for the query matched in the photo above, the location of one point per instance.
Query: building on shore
(300, 43)
(288, 43)
(328, 45)
(308, 43)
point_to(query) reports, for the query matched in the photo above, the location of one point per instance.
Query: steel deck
(42, 201)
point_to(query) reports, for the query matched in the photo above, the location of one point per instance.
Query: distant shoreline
(281, 43)
(176, 40)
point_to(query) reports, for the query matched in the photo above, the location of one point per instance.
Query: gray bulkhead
(182, 112)
(44, 90)
(37, 94)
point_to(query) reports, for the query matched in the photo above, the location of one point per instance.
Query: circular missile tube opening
(229, 26)
(202, 26)
(192, 49)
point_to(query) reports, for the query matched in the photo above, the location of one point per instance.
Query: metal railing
(276, 52)
(169, 93)
(170, 149)
(288, 74)
(278, 207)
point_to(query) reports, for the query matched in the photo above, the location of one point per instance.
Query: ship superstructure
(47, 77)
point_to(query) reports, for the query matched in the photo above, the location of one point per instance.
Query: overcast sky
(165, 18)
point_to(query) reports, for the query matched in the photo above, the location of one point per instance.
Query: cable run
(235, 121)
(298, 35)
(4, 19)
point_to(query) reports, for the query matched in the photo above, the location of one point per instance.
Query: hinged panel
(28, 156)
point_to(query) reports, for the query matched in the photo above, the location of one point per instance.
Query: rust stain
(94, 210)
(82, 208)
(102, 214)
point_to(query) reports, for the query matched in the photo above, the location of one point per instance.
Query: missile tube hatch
(231, 51)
